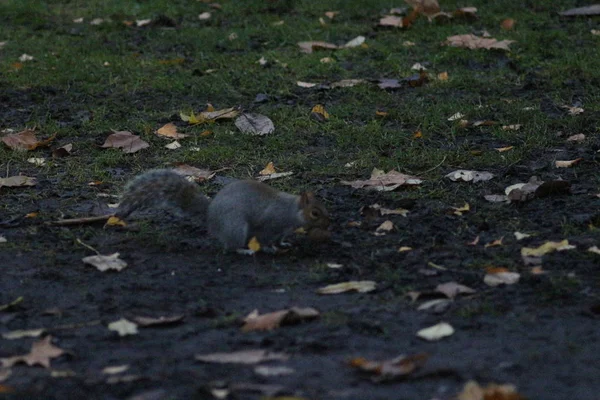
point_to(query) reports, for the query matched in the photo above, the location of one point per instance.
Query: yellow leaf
(547, 247)
(443, 76)
(253, 244)
(567, 164)
(402, 249)
(461, 210)
(268, 170)
(31, 215)
(417, 135)
(503, 149)
(115, 221)
(319, 113)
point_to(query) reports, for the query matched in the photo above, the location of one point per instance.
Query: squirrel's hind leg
(232, 235)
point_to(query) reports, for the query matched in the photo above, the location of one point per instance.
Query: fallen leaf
(408, 43)
(594, 32)
(394, 21)
(394, 368)
(576, 138)
(496, 198)
(460, 210)
(382, 181)
(465, 12)
(268, 371)
(442, 76)
(331, 14)
(319, 113)
(456, 116)
(359, 286)
(473, 391)
(326, 60)
(125, 140)
(242, 357)
(546, 248)
(346, 83)
(210, 115)
(582, 11)
(594, 249)
(469, 176)
(508, 24)
(123, 327)
(170, 130)
(3, 239)
(37, 161)
(403, 249)
(62, 151)
(19, 334)
(573, 110)
(25, 57)
(418, 67)
(96, 21)
(334, 265)
(254, 244)
(436, 332)
(497, 242)
(425, 7)
(310, 46)
(567, 164)
(453, 289)
(18, 181)
(501, 278)
(357, 41)
(503, 149)
(274, 175)
(41, 353)
(204, 16)
(197, 174)
(114, 370)
(150, 321)
(386, 226)
(105, 263)
(270, 321)
(25, 140)
(254, 124)
(142, 22)
(174, 145)
(474, 242)
(306, 84)
(436, 306)
(268, 170)
(385, 83)
(521, 236)
(514, 127)
(471, 41)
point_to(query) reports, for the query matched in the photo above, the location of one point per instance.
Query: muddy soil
(540, 334)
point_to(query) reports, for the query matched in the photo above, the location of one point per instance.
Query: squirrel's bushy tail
(162, 189)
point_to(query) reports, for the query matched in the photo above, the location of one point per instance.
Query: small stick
(84, 220)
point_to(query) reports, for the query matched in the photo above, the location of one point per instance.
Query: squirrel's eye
(315, 214)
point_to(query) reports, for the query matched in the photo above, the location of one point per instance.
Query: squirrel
(240, 211)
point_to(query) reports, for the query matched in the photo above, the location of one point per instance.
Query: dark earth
(540, 334)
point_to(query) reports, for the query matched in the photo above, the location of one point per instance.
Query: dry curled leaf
(382, 181)
(151, 321)
(319, 113)
(105, 263)
(62, 151)
(242, 357)
(469, 176)
(255, 124)
(170, 130)
(25, 140)
(396, 367)
(546, 248)
(473, 391)
(18, 181)
(359, 286)
(310, 46)
(582, 11)
(453, 289)
(501, 278)
(126, 141)
(567, 163)
(269, 321)
(196, 174)
(471, 41)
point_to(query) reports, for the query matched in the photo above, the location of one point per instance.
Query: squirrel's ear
(306, 198)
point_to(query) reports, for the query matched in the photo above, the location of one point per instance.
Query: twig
(84, 220)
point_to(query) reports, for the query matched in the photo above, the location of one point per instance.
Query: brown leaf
(473, 391)
(310, 46)
(471, 41)
(41, 353)
(319, 113)
(392, 20)
(170, 130)
(149, 321)
(198, 175)
(567, 164)
(62, 151)
(453, 289)
(359, 286)
(242, 357)
(25, 140)
(425, 7)
(125, 140)
(382, 181)
(270, 321)
(508, 24)
(396, 367)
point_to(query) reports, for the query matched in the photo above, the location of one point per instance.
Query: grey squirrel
(240, 211)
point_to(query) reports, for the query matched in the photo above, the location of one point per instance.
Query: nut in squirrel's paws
(318, 235)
